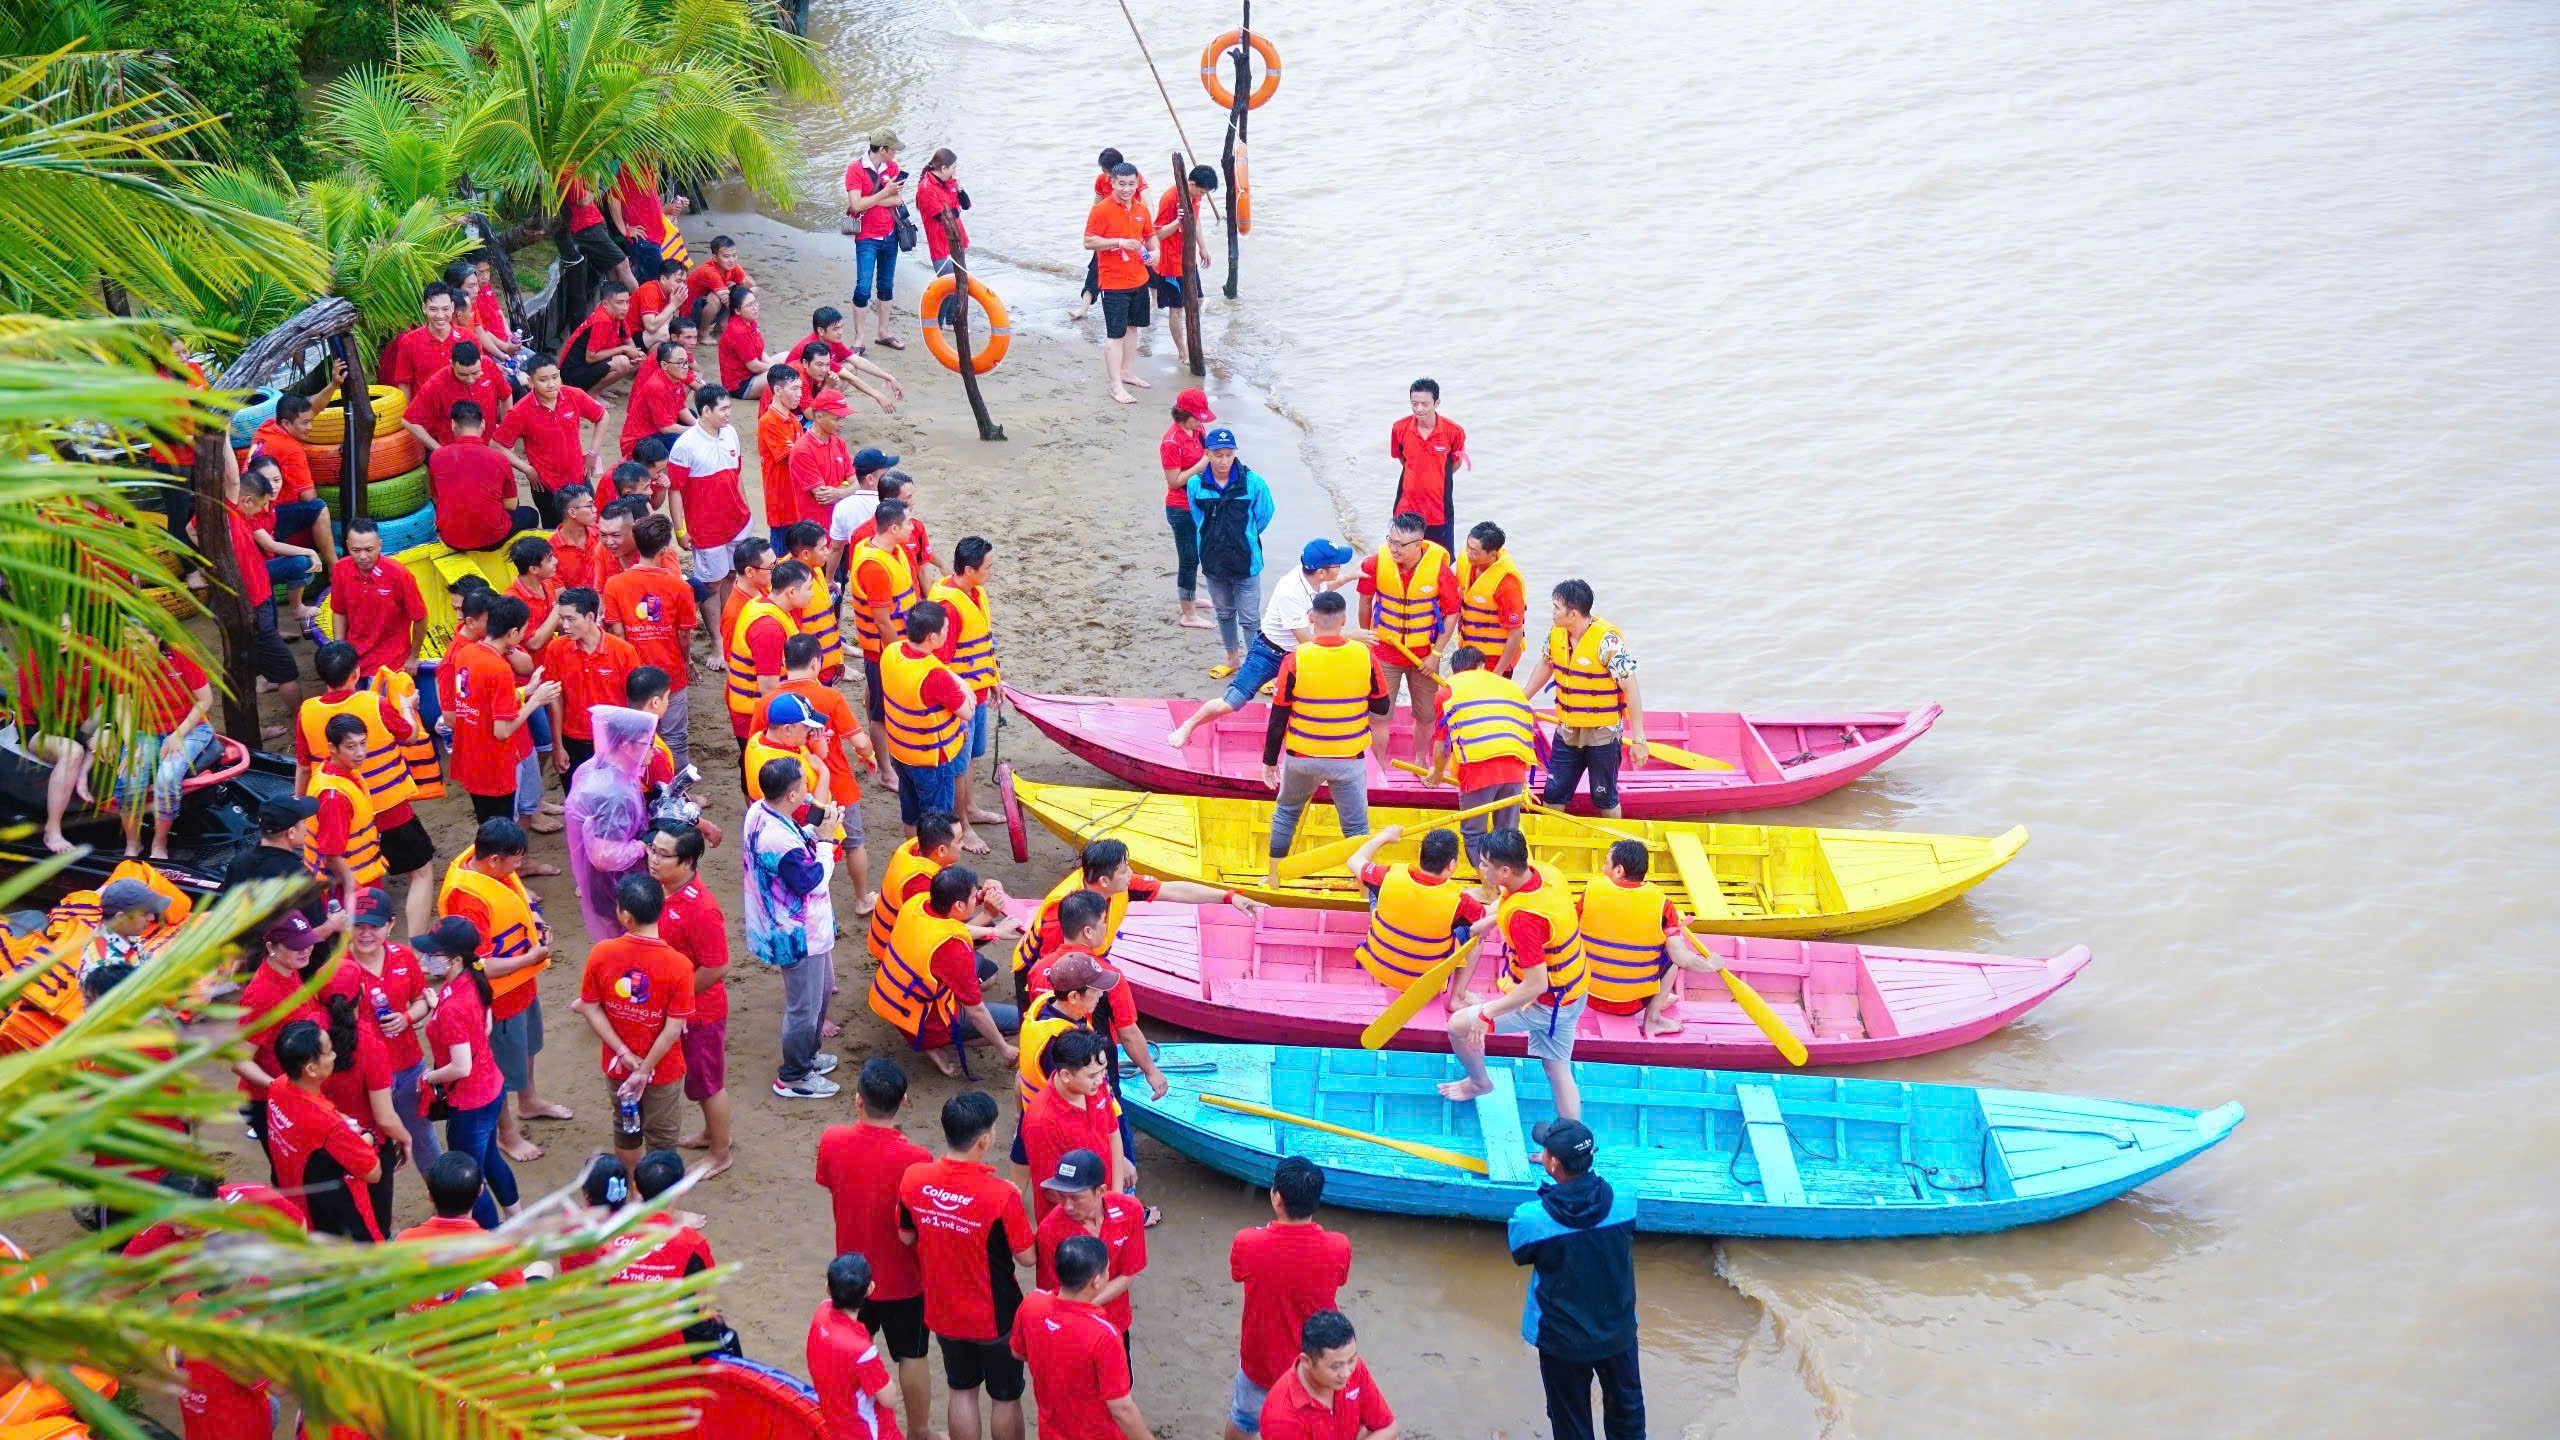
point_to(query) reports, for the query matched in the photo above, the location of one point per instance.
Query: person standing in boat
(1546, 983)
(1632, 936)
(1328, 709)
(1599, 711)
(1487, 740)
(1581, 1308)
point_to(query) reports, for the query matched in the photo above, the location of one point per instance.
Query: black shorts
(266, 646)
(1122, 309)
(874, 704)
(586, 375)
(595, 245)
(493, 807)
(897, 1324)
(968, 1364)
(580, 752)
(406, 847)
(1168, 290)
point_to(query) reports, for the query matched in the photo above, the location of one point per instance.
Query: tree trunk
(988, 429)
(1191, 258)
(356, 451)
(222, 563)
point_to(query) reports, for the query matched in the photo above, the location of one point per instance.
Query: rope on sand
(1187, 149)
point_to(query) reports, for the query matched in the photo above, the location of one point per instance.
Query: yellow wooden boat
(435, 567)
(1773, 880)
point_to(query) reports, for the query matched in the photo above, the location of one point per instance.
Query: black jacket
(1582, 1296)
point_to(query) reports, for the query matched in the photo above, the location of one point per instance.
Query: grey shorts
(1546, 1041)
(515, 1041)
(712, 563)
(1244, 1404)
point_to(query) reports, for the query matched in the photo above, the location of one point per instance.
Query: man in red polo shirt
(464, 377)
(694, 924)
(706, 286)
(965, 1222)
(419, 353)
(860, 1166)
(1171, 263)
(482, 494)
(1079, 1360)
(593, 668)
(1087, 1205)
(579, 541)
(661, 397)
(379, 609)
(1116, 230)
(650, 605)
(821, 465)
(549, 423)
(602, 349)
(1290, 1269)
(1430, 446)
(845, 1367)
(780, 423)
(1327, 1393)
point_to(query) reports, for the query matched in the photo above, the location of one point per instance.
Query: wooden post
(959, 307)
(231, 617)
(1191, 258)
(355, 453)
(1235, 136)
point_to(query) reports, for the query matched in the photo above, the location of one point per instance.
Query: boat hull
(1777, 759)
(1956, 1161)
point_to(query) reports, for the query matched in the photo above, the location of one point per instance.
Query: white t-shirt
(850, 513)
(701, 453)
(1290, 609)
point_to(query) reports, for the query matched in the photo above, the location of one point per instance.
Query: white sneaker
(822, 1064)
(811, 1087)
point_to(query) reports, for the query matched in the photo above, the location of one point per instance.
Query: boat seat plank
(1506, 1144)
(1698, 873)
(1779, 1183)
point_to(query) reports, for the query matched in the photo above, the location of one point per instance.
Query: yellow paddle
(1404, 1007)
(1423, 771)
(1764, 1017)
(1334, 852)
(1663, 750)
(1423, 1152)
(1612, 831)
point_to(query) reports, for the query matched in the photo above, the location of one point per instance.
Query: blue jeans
(475, 1133)
(1186, 553)
(926, 788)
(1569, 763)
(409, 1103)
(875, 269)
(982, 734)
(430, 709)
(1238, 601)
(1261, 666)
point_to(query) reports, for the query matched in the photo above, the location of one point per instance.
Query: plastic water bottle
(381, 1008)
(626, 1113)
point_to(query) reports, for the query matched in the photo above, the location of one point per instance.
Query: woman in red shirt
(463, 1073)
(174, 735)
(320, 1153)
(1182, 457)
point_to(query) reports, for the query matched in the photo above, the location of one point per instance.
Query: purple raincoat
(607, 814)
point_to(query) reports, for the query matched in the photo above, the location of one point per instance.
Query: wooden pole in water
(1191, 258)
(1235, 136)
(356, 451)
(222, 564)
(958, 308)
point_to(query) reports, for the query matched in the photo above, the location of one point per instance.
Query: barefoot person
(1430, 447)
(1599, 710)
(1631, 937)
(1182, 455)
(1409, 600)
(1328, 711)
(1284, 627)
(1547, 978)
(484, 885)
(1172, 265)
(1418, 914)
(930, 987)
(971, 1233)
(969, 648)
(1118, 233)
(637, 995)
(1487, 740)
(693, 924)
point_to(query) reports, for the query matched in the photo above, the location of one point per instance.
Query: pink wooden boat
(1286, 977)
(1777, 759)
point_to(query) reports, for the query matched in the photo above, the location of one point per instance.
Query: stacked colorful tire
(329, 424)
(416, 528)
(396, 452)
(385, 499)
(245, 421)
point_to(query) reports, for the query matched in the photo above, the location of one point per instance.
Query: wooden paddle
(1425, 772)
(1404, 1007)
(1662, 750)
(1334, 852)
(1434, 1153)
(1764, 1017)
(1612, 831)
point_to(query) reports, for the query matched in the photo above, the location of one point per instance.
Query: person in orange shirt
(822, 620)
(1172, 265)
(578, 544)
(592, 667)
(706, 286)
(1123, 242)
(779, 426)
(651, 606)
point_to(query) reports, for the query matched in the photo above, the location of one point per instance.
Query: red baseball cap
(828, 402)
(1195, 402)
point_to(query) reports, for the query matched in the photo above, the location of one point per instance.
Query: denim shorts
(1244, 1404)
(982, 733)
(1261, 666)
(514, 1041)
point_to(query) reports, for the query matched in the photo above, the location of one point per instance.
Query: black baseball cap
(373, 907)
(1078, 1171)
(277, 816)
(1568, 1140)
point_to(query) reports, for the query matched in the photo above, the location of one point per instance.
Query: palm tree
(331, 1323)
(96, 191)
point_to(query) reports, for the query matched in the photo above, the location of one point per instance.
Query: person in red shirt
(1079, 1359)
(379, 607)
(1508, 600)
(578, 541)
(708, 499)
(1074, 1111)
(661, 397)
(684, 1252)
(1087, 1205)
(176, 735)
(637, 994)
(480, 312)
(358, 1082)
(780, 423)
(1107, 162)
(318, 1152)
(1172, 266)
(473, 483)
(693, 923)
(632, 203)
(1290, 1269)
(970, 1233)
(602, 350)
(462, 1060)
(821, 465)
(418, 353)
(845, 366)
(593, 668)
(1411, 664)
(1181, 456)
(875, 191)
(382, 976)
(652, 607)
(707, 285)
(938, 195)
(1116, 230)
(406, 847)
(550, 422)
(453, 1187)
(743, 358)
(1431, 870)
(655, 302)
(1430, 447)
(491, 730)
(285, 956)
(1328, 1393)
(588, 233)
(464, 377)
(860, 1166)
(845, 1367)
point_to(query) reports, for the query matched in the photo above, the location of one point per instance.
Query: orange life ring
(1216, 83)
(985, 351)
(1244, 195)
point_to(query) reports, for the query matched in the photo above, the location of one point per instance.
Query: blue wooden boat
(1707, 1152)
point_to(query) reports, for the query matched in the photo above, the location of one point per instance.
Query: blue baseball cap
(1221, 438)
(1323, 554)
(790, 710)
(871, 458)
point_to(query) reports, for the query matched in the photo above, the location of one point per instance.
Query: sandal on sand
(1221, 672)
(1154, 1216)
(889, 342)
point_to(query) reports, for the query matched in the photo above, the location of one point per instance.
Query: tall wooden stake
(222, 563)
(1235, 137)
(958, 305)
(355, 455)
(1191, 258)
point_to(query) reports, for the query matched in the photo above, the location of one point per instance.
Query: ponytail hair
(343, 1034)
(470, 965)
